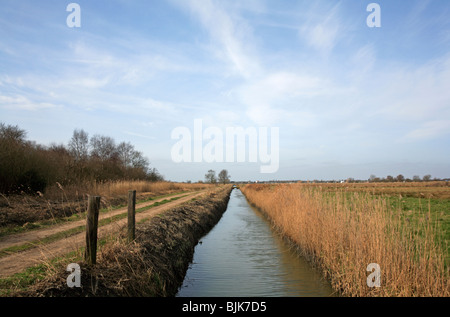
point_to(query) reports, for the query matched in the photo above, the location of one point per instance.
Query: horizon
(349, 100)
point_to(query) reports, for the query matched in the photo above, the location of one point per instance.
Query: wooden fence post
(131, 215)
(91, 229)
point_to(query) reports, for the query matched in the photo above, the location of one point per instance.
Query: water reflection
(242, 256)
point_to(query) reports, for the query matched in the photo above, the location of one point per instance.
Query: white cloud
(23, 103)
(415, 94)
(228, 117)
(277, 98)
(232, 35)
(363, 61)
(126, 62)
(139, 135)
(429, 130)
(157, 105)
(91, 83)
(322, 34)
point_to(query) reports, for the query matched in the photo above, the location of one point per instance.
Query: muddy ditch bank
(154, 265)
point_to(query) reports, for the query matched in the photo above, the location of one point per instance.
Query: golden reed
(119, 188)
(341, 233)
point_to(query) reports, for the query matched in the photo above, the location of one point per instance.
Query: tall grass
(116, 188)
(343, 232)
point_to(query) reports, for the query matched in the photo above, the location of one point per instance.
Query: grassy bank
(21, 212)
(152, 265)
(341, 232)
(69, 232)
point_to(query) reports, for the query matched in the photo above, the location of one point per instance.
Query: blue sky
(349, 100)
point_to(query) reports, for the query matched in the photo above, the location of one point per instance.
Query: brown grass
(432, 189)
(343, 232)
(154, 265)
(63, 201)
(116, 188)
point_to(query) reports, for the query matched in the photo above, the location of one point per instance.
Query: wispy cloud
(323, 33)
(232, 35)
(23, 103)
(270, 99)
(419, 93)
(429, 130)
(139, 135)
(312, 68)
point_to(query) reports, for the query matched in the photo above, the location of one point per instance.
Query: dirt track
(17, 262)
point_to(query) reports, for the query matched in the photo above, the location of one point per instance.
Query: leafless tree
(210, 177)
(79, 145)
(224, 177)
(103, 148)
(126, 151)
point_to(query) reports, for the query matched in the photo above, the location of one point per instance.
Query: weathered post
(91, 229)
(131, 215)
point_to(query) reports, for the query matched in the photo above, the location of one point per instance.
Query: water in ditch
(243, 257)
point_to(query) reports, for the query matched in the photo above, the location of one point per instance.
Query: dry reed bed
(116, 188)
(63, 201)
(341, 233)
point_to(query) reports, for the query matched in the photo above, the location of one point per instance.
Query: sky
(348, 100)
